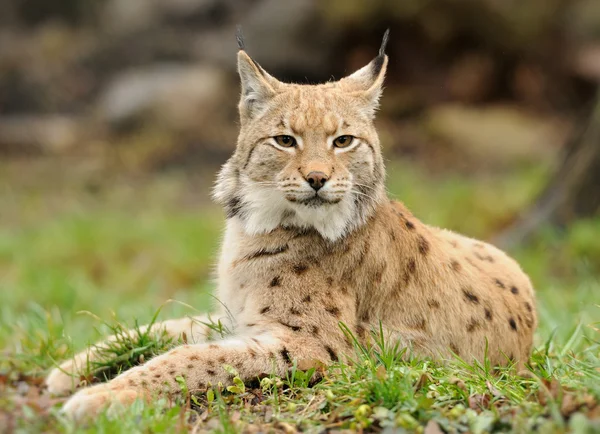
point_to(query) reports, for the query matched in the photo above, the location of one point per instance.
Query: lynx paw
(64, 379)
(90, 402)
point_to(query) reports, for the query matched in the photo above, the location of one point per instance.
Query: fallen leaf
(433, 427)
(479, 401)
(423, 380)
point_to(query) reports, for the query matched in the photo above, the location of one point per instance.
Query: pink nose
(316, 180)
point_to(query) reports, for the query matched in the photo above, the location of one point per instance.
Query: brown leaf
(495, 392)
(286, 427)
(423, 380)
(569, 405)
(381, 372)
(459, 383)
(479, 401)
(433, 427)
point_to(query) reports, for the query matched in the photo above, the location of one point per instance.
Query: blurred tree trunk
(574, 190)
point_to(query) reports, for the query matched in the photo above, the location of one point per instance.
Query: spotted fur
(295, 263)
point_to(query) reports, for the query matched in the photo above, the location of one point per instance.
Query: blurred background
(116, 114)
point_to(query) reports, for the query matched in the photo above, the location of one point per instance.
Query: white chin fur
(266, 209)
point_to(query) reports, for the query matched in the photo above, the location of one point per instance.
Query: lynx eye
(343, 141)
(285, 141)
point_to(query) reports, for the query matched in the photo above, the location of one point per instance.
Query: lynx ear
(258, 87)
(367, 82)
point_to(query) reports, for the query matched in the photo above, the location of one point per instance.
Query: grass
(121, 248)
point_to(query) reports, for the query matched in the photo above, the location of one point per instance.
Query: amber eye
(343, 141)
(285, 141)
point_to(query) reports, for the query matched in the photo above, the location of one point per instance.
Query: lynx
(312, 242)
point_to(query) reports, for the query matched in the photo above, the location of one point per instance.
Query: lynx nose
(317, 180)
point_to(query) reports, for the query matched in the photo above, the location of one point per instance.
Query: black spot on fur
(361, 332)
(411, 266)
(250, 325)
(211, 372)
(455, 265)
(499, 283)
(454, 348)
(473, 325)
(285, 355)
(514, 290)
(315, 330)
(333, 310)
(488, 314)
(469, 296)
(409, 225)
(264, 252)
(332, 354)
(433, 303)
(486, 258)
(513, 324)
(294, 311)
(233, 207)
(420, 324)
(306, 299)
(300, 268)
(275, 282)
(329, 281)
(265, 310)
(528, 307)
(293, 327)
(423, 245)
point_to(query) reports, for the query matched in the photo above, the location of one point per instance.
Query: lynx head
(307, 156)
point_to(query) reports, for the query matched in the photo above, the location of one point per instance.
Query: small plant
(128, 348)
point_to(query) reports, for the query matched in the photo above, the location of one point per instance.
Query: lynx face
(308, 156)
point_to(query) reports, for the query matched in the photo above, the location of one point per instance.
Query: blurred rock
(130, 16)
(33, 134)
(119, 16)
(177, 94)
(587, 62)
(496, 135)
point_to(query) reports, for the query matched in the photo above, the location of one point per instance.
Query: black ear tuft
(378, 62)
(239, 37)
(386, 37)
(377, 65)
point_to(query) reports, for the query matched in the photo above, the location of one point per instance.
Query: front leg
(66, 377)
(202, 365)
